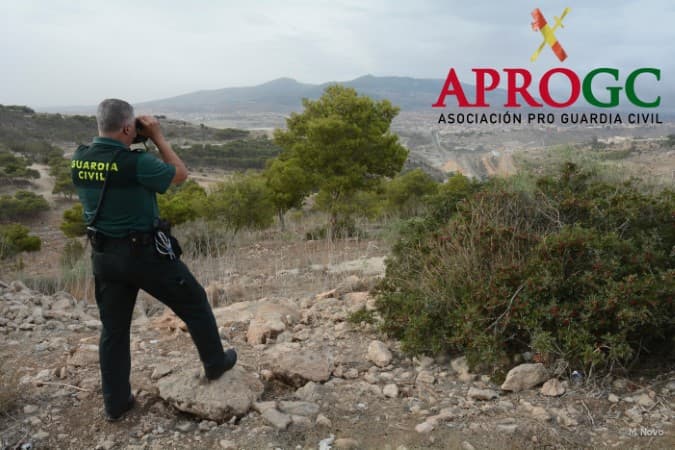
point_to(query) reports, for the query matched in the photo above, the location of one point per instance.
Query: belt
(134, 238)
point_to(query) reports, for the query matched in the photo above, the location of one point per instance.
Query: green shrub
(23, 205)
(361, 315)
(14, 239)
(405, 194)
(182, 203)
(579, 269)
(242, 202)
(73, 221)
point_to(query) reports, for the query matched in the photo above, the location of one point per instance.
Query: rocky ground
(307, 378)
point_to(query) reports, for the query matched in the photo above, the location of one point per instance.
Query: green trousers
(119, 272)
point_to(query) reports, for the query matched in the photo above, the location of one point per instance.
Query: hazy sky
(57, 52)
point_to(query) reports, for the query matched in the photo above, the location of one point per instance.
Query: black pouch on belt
(95, 239)
(165, 243)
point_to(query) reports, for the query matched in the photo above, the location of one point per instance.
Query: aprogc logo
(520, 85)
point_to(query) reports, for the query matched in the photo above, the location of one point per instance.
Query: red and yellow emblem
(540, 24)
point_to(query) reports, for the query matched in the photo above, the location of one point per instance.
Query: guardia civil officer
(132, 249)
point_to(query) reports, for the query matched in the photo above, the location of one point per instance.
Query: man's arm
(152, 130)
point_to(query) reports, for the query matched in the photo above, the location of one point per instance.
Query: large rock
(233, 394)
(525, 376)
(379, 354)
(296, 365)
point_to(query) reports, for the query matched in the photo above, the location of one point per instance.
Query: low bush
(577, 269)
(15, 238)
(23, 205)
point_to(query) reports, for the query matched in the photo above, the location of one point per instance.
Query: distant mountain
(285, 95)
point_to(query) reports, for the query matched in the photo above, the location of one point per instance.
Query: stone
(277, 419)
(460, 365)
(346, 443)
(425, 377)
(92, 324)
(325, 295)
(371, 378)
(634, 414)
(351, 373)
(106, 445)
(444, 415)
(185, 426)
(563, 418)
(18, 286)
(507, 428)
(296, 365)
(244, 312)
(323, 421)
(206, 425)
(30, 409)
(424, 427)
(466, 377)
(537, 412)
(645, 400)
(260, 330)
(379, 354)
(482, 394)
(525, 376)
(85, 355)
(264, 406)
(226, 444)
(613, 398)
(424, 362)
(553, 388)
(284, 336)
(390, 390)
(307, 409)
(301, 422)
(310, 392)
(620, 385)
(325, 444)
(41, 435)
(161, 370)
(230, 395)
(43, 375)
(356, 301)
(467, 446)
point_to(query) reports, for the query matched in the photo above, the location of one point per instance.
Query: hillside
(284, 95)
(19, 124)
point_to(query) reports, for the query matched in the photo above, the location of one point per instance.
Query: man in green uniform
(127, 254)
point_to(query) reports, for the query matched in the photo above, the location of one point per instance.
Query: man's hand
(151, 128)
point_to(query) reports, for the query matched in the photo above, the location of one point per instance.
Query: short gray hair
(113, 114)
